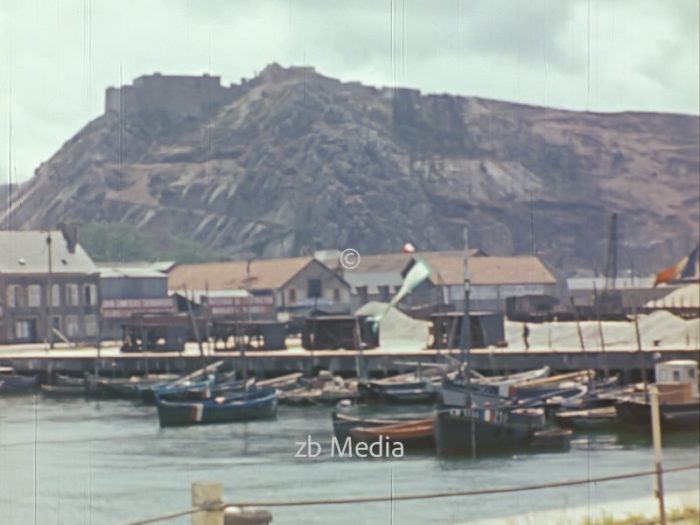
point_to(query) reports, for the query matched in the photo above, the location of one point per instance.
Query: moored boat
(203, 386)
(257, 403)
(679, 400)
(461, 431)
(343, 423)
(414, 434)
(129, 388)
(410, 392)
(552, 440)
(601, 418)
(64, 390)
(481, 390)
(13, 383)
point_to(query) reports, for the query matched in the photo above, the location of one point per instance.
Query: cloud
(58, 57)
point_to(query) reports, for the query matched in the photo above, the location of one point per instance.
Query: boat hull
(415, 392)
(17, 384)
(494, 430)
(674, 416)
(413, 435)
(244, 407)
(343, 424)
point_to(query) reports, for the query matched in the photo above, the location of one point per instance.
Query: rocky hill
(294, 161)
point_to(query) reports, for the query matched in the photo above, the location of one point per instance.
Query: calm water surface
(75, 461)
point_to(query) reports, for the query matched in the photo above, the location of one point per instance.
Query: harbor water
(108, 462)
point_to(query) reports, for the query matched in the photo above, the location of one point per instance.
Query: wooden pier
(376, 362)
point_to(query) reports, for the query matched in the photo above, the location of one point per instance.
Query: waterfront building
(296, 286)
(48, 288)
(131, 289)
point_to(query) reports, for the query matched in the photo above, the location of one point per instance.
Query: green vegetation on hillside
(114, 241)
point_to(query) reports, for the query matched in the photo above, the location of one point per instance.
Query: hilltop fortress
(178, 96)
(182, 96)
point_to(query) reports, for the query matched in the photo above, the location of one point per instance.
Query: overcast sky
(58, 56)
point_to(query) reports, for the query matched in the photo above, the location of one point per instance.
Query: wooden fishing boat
(459, 431)
(259, 403)
(343, 424)
(414, 434)
(456, 391)
(636, 412)
(679, 400)
(316, 396)
(12, 383)
(281, 383)
(164, 390)
(129, 388)
(64, 390)
(601, 418)
(552, 440)
(410, 392)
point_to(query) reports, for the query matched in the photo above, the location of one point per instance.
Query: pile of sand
(685, 297)
(660, 329)
(397, 328)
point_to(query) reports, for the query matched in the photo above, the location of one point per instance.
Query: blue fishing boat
(13, 383)
(258, 403)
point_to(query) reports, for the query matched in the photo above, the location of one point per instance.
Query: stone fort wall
(178, 96)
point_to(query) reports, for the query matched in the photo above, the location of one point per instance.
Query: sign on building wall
(261, 305)
(125, 308)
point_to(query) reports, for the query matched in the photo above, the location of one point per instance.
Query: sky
(58, 56)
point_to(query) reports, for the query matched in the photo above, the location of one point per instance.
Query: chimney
(70, 234)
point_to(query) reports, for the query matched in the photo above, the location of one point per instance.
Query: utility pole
(49, 295)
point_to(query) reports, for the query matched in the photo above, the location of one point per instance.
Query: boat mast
(465, 341)
(465, 336)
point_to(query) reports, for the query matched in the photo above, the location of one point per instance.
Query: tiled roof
(448, 269)
(259, 274)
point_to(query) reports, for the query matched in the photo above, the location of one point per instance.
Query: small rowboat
(414, 434)
(260, 403)
(13, 383)
(129, 388)
(151, 392)
(343, 424)
(602, 418)
(64, 390)
(552, 440)
(419, 391)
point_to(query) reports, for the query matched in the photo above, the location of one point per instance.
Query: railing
(208, 508)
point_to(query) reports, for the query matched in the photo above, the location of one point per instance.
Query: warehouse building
(49, 288)
(294, 286)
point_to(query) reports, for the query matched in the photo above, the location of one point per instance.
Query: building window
(72, 295)
(34, 295)
(55, 295)
(315, 289)
(89, 295)
(292, 295)
(57, 323)
(384, 293)
(91, 325)
(362, 292)
(22, 329)
(336, 295)
(71, 325)
(15, 296)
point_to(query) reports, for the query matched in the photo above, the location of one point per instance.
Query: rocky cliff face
(299, 161)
